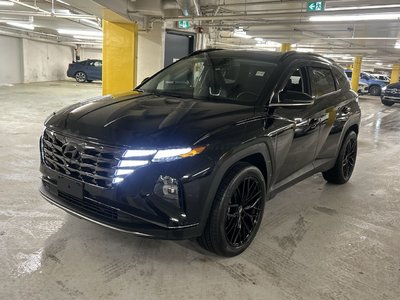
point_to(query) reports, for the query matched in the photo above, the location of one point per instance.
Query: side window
(322, 81)
(340, 77)
(364, 76)
(296, 82)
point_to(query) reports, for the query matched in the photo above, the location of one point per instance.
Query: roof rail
(291, 53)
(204, 51)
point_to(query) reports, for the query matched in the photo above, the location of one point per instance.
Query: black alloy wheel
(345, 162)
(349, 159)
(243, 212)
(80, 76)
(237, 211)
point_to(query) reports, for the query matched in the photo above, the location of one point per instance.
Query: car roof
(273, 57)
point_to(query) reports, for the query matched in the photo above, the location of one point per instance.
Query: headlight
(133, 159)
(384, 88)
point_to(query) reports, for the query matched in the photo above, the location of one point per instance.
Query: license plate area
(70, 186)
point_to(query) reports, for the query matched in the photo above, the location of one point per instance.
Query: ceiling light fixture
(362, 7)
(21, 25)
(90, 22)
(62, 2)
(87, 37)
(80, 32)
(366, 17)
(6, 3)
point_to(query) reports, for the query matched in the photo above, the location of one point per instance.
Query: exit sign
(316, 6)
(184, 24)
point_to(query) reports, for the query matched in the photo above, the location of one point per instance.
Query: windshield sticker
(260, 73)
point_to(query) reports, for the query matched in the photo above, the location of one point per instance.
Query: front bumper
(394, 99)
(133, 206)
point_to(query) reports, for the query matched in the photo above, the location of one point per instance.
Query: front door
(296, 148)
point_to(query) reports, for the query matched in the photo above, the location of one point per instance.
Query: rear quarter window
(341, 78)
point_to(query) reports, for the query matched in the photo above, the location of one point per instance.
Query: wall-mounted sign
(316, 6)
(184, 24)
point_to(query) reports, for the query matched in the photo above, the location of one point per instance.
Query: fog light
(167, 187)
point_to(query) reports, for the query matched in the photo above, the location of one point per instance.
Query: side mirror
(292, 98)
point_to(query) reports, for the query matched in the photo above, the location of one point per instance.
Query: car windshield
(213, 77)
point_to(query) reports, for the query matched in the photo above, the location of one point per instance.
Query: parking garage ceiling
(344, 29)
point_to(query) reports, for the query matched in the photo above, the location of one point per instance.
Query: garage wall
(11, 69)
(45, 61)
(90, 53)
(150, 52)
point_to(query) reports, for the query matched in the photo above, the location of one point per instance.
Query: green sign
(183, 24)
(316, 6)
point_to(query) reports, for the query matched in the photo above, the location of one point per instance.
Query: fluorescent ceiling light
(363, 7)
(86, 37)
(240, 33)
(305, 50)
(62, 2)
(260, 40)
(365, 17)
(379, 64)
(21, 25)
(90, 22)
(80, 32)
(6, 3)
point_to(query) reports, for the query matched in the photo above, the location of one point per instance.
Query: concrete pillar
(355, 77)
(285, 47)
(119, 57)
(395, 73)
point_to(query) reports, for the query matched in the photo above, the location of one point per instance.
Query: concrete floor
(317, 241)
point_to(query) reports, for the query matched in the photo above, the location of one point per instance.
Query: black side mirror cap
(292, 98)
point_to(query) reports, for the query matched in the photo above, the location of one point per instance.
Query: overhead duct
(189, 7)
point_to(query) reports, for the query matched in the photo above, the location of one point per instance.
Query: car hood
(146, 120)
(393, 86)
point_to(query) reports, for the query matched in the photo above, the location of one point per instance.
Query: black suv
(197, 149)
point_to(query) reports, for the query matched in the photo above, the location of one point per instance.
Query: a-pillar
(119, 57)
(355, 77)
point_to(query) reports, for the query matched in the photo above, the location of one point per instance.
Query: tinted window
(296, 82)
(322, 81)
(213, 77)
(340, 77)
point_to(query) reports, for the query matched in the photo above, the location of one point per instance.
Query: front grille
(85, 161)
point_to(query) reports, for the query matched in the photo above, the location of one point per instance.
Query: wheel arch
(257, 155)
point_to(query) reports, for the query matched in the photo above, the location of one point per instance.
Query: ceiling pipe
(273, 15)
(47, 14)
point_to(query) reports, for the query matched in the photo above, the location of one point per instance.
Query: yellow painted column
(119, 57)
(355, 77)
(285, 47)
(395, 73)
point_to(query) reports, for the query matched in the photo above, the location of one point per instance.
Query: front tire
(237, 211)
(345, 162)
(387, 103)
(80, 77)
(375, 90)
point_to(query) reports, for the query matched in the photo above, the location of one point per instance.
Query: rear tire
(345, 162)
(80, 77)
(237, 211)
(387, 103)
